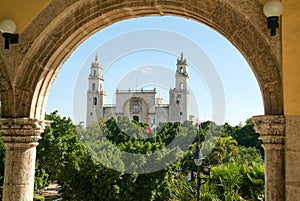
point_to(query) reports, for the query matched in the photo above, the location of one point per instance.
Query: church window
(178, 99)
(94, 72)
(135, 105)
(181, 86)
(91, 113)
(94, 87)
(136, 118)
(181, 69)
(95, 101)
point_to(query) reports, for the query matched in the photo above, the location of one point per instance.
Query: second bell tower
(179, 96)
(96, 96)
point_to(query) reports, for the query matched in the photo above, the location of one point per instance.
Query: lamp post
(198, 160)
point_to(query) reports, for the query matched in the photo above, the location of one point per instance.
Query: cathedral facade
(140, 105)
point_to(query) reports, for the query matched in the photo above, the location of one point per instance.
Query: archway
(46, 47)
(62, 26)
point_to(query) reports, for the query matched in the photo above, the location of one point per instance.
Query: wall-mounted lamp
(272, 10)
(8, 28)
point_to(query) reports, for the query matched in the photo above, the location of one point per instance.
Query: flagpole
(152, 127)
(154, 124)
(155, 134)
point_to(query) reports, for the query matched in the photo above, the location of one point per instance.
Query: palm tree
(225, 151)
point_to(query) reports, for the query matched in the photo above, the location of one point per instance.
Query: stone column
(272, 132)
(20, 136)
(292, 157)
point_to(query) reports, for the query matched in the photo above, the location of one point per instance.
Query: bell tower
(96, 96)
(179, 96)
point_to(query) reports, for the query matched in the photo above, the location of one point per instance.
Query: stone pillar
(292, 157)
(272, 132)
(20, 136)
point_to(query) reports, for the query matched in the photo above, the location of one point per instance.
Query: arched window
(178, 99)
(95, 101)
(94, 87)
(181, 86)
(181, 69)
(91, 114)
(94, 72)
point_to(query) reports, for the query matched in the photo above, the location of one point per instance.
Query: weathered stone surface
(20, 138)
(271, 129)
(272, 133)
(292, 156)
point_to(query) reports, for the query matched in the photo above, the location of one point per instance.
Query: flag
(152, 126)
(148, 129)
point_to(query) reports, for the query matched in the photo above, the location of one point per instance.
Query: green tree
(225, 151)
(70, 155)
(60, 153)
(246, 136)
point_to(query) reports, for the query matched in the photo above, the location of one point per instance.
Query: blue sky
(142, 53)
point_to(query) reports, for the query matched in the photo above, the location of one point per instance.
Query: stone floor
(51, 190)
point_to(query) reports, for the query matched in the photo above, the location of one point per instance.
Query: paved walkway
(51, 190)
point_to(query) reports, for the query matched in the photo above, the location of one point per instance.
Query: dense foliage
(76, 157)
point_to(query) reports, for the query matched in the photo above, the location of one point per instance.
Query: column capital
(21, 130)
(271, 129)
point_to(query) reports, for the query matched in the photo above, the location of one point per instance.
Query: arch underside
(63, 25)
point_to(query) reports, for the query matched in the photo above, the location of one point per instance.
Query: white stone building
(140, 105)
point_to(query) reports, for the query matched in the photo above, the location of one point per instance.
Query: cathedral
(139, 105)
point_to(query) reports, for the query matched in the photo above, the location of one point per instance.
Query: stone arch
(63, 25)
(5, 87)
(143, 108)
